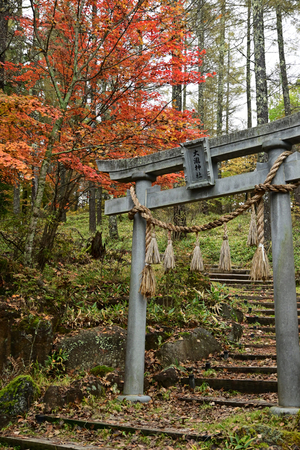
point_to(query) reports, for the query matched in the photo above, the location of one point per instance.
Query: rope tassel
(260, 264)
(148, 283)
(197, 260)
(152, 255)
(252, 236)
(169, 258)
(225, 260)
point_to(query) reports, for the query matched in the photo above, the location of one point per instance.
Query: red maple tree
(100, 68)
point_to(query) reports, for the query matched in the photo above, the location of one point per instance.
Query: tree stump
(97, 247)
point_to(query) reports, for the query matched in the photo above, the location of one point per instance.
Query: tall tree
(4, 14)
(260, 62)
(221, 68)
(92, 207)
(282, 63)
(248, 66)
(122, 47)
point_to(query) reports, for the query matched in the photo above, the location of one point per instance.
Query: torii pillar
(285, 299)
(136, 330)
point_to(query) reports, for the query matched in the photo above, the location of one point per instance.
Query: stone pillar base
(281, 410)
(135, 398)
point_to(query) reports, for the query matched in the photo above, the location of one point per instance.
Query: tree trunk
(113, 227)
(227, 90)
(47, 242)
(25, 199)
(283, 74)
(92, 207)
(179, 219)
(248, 68)
(260, 62)
(297, 201)
(222, 50)
(177, 97)
(201, 67)
(99, 206)
(27, 257)
(16, 204)
(261, 93)
(97, 247)
(4, 9)
(62, 189)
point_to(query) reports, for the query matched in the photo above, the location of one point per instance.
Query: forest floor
(178, 417)
(87, 293)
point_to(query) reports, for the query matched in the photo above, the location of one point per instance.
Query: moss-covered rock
(16, 398)
(100, 346)
(101, 371)
(29, 339)
(193, 346)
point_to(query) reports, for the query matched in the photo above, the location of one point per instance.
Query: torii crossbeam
(273, 138)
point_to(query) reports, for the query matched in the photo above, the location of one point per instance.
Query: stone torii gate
(199, 159)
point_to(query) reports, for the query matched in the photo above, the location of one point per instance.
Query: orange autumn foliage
(102, 64)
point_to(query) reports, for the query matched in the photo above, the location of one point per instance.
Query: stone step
(241, 282)
(254, 297)
(251, 356)
(262, 289)
(44, 444)
(262, 320)
(248, 386)
(268, 305)
(230, 275)
(215, 269)
(245, 369)
(270, 312)
(47, 444)
(270, 329)
(250, 345)
(248, 287)
(228, 402)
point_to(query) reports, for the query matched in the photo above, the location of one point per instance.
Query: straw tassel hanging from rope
(252, 236)
(260, 263)
(169, 258)
(148, 282)
(152, 254)
(225, 261)
(197, 260)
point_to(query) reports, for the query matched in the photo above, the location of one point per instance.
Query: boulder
(27, 340)
(236, 332)
(90, 386)
(58, 396)
(103, 346)
(232, 313)
(192, 346)
(16, 398)
(166, 378)
(116, 378)
(155, 338)
(53, 398)
(7, 317)
(32, 341)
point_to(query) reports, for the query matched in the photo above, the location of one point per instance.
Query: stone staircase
(239, 278)
(252, 361)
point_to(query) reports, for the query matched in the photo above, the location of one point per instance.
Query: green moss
(11, 399)
(31, 324)
(291, 437)
(101, 371)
